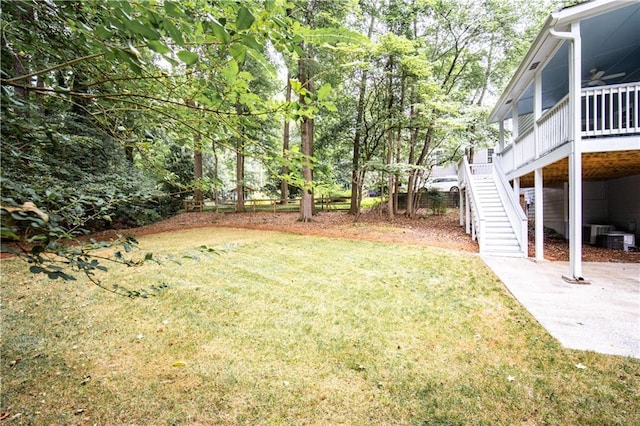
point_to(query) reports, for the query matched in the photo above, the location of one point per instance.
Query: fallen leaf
(179, 364)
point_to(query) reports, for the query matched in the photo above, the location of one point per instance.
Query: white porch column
(539, 214)
(537, 112)
(575, 158)
(516, 188)
(501, 135)
(538, 177)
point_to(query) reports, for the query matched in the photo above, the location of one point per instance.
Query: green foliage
(50, 249)
(39, 239)
(437, 201)
(104, 103)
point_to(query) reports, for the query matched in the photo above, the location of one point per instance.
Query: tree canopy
(114, 112)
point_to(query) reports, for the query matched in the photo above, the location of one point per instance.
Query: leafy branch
(50, 249)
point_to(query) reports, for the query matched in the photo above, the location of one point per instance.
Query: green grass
(287, 329)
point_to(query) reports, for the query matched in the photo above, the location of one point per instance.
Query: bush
(437, 201)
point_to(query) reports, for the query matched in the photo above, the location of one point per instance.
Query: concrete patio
(603, 316)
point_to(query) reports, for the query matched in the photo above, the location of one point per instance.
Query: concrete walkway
(603, 316)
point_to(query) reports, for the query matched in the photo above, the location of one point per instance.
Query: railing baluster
(611, 110)
(628, 109)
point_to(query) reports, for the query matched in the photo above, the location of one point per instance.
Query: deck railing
(511, 204)
(553, 126)
(475, 220)
(478, 169)
(611, 110)
(606, 111)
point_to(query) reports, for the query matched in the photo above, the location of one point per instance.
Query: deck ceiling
(595, 166)
(610, 43)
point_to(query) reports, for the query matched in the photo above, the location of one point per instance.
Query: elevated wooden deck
(610, 137)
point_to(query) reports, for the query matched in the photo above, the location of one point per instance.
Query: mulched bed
(441, 231)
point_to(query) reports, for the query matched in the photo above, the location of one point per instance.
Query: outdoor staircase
(499, 237)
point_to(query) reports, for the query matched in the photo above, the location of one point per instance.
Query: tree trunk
(360, 184)
(391, 181)
(356, 184)
(216, 175)
(240, 186)
(197, 167)
(306, 202)
(306, 136)
(284, 185)
(197, 160)
(411, 208)
(18, 68)
(412, 200)
(357, 176)
(488, 70)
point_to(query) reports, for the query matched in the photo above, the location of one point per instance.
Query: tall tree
(358, 173)
(286, 138)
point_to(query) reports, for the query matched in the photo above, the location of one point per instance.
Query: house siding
(555, 208)
(595, 206)
(614, 202)
(624, 203)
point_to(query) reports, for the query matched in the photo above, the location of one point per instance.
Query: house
(569, 124)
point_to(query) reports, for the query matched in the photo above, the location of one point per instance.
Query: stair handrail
(476, 210)
(512, 207)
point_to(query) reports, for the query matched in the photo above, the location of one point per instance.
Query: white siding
(624, 203)
(594, 202)
(614, 202)
(555, 208)
(480, 156)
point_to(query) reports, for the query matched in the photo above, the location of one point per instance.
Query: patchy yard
(290, 329)
(441, 231)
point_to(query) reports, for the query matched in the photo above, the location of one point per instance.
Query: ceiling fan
(598, 77)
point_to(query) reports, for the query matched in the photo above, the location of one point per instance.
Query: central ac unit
(590, 231)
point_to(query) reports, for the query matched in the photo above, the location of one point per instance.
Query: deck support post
(575, 157)
(539, 214)
(461, 205)
(467, 209)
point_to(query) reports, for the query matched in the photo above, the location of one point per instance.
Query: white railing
(512, 207)
(606, 111)
(611, 110)
(524, 148)
(553, 126)
(483, 169)
(477, 220)
(507, 158)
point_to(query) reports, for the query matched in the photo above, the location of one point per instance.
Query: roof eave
(537, 50)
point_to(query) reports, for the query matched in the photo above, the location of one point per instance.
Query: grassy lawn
(290, 329)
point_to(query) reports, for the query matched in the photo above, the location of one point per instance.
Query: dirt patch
(441, 231)
(437, 231)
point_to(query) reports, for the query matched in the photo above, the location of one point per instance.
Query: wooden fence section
(324, 203)
(268, 204)
(445, 199)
